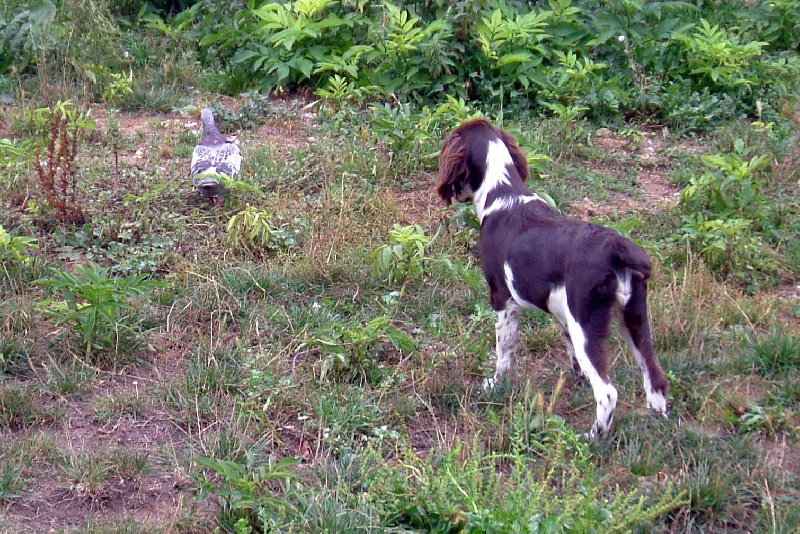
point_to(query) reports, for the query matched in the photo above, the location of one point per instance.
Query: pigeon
(214, 156)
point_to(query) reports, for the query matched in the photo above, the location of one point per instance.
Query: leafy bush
(668, 59)
(726, 215)
(21, 32)
(353, 351)
(256, 231)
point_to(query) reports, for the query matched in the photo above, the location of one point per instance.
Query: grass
(254, 356)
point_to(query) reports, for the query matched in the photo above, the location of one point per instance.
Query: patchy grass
(254, 352)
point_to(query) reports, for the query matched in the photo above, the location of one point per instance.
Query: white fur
(498, 159)
(507, 341)
(655, 399)
(507, 203)
(624, 290)
(605, 393)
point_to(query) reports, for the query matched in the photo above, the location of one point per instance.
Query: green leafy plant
(19, 407)
(119, 88)
(725, 212)
(257, 231)
(770, 421)
(463, 490)
(732, 188)
(353, 350)
(404, 257)
(245, 490)
(340, 90)
(293, 38)
(20, 35)
(15, 248)
(718, 56)
(93, 303)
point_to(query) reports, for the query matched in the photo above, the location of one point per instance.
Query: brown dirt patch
(657, 188)
(156, 495)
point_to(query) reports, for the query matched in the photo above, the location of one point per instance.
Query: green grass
(374, 383)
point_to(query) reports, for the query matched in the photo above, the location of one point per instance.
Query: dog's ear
(517, 155)
(452, 166)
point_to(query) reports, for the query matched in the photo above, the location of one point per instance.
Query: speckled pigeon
(213, 156)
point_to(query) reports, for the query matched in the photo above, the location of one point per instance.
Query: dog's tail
(627, 254)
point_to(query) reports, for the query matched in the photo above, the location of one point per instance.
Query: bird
(213, 157)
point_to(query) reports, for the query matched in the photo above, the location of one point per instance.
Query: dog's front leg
(507, 332)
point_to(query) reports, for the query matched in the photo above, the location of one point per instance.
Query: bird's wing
(224, 158)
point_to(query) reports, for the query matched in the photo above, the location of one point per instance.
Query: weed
(775, 354)
(769, 421)
(19, 407)
(110, 409)
(255, 230)
(722, 208)
(10, 484)
(58, 178)
(246, 498)
(15, 248)
(15, 359)
(464, 491)
(718, 56)
(404, 257)
(119, 88)
(93, 302)
(87, 474)
(68, 378)
(207, 390)
(352, 351)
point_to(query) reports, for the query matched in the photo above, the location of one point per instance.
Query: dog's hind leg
(507, 340)
(636, 329)
(588, 342)
(576, 367)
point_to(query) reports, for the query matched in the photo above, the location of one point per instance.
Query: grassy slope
(226, 360)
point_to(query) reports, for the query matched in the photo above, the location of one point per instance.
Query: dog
(535, 258)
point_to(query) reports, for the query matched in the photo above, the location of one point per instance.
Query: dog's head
(462, 161)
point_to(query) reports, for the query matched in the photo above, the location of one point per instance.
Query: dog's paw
(658, 403)
(489, 384)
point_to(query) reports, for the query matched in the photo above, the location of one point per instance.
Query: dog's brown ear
(452, 166)
(518, 155)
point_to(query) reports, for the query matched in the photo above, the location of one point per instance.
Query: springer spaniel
(533, 257)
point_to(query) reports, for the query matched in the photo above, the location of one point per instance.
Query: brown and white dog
(533, 257)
